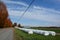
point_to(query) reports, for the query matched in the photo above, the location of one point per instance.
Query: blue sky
(40, 13)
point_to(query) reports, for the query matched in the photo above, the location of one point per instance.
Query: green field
(20, 35)
(48, 29)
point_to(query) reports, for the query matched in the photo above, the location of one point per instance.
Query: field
(56, 29)
(20, 35)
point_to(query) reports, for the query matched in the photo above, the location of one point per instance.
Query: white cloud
(37, 7)
(49, 18)
(46, 10)
(44, 14)
(14, 2)
(37, 13)
(15, 13)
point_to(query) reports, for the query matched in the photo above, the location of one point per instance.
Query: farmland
(56, 29)
(20, 35)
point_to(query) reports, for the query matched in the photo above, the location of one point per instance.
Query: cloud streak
(35, 12)
(42, 14)
(14, 2)
(39, 13)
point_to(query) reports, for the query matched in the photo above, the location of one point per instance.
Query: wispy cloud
(35, 12)
(14, 2)
(48, 18)
(44, 14)
(40, 13)
(15, 13)
(47, 10)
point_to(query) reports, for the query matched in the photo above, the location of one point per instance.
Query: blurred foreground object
(4, 20)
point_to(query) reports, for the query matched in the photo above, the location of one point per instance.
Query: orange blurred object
(4, 21)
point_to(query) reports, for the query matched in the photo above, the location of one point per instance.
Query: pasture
(21, 35)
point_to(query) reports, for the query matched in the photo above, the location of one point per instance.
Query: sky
(40, 13)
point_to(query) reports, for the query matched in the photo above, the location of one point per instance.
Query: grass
(20, 35)
(49, 29)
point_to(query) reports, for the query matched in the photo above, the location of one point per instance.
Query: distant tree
(15, 24)
(19, 25)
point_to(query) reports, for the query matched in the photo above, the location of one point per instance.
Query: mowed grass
(20, 35)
